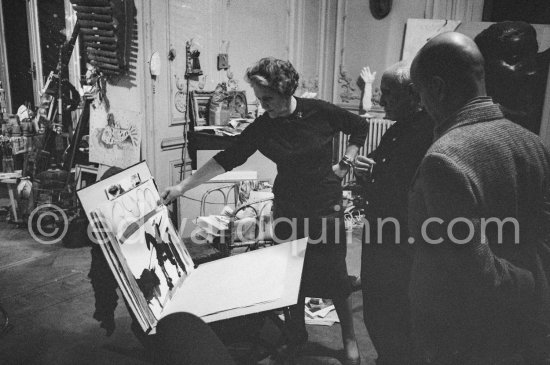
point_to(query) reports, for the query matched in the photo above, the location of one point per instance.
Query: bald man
(479, 292)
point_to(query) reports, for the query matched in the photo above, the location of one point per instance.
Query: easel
(55, 115)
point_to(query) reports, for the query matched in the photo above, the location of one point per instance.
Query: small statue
(232, 84)
(368, 78)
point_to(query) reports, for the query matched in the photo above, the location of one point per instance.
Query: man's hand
(363, 166)
(340, 171)
(171, 193)
(368, 76)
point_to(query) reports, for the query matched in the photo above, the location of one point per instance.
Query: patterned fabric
(477, 297)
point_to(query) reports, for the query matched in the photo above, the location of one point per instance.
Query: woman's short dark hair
(275, 74)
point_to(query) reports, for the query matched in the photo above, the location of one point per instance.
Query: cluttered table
(10, 180)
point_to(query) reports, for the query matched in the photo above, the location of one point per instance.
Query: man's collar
(478, 109)
(414, 121)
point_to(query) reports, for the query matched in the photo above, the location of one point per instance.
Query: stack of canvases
(106, 28)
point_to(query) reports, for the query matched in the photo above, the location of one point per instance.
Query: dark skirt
(325, 273)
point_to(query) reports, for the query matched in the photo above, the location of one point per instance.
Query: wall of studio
(328, 41)
(252, 29)
(323, 39)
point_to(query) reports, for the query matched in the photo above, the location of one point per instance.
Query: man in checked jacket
(479, 291)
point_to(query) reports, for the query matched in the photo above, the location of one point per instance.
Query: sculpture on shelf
(232, 84)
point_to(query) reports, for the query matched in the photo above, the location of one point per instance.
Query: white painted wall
(305, 31)
(375, 43)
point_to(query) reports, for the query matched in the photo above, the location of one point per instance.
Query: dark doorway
(18, 53)
(51, 18)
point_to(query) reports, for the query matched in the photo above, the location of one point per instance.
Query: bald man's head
(448, 71)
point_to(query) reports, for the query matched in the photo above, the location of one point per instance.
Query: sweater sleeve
(244, 146)
(349, 123)
(450, 196)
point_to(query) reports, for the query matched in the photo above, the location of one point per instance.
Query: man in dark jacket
(385, 175)
(479, 212)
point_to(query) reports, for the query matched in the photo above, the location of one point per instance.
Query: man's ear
(438, 87)
(414, 96)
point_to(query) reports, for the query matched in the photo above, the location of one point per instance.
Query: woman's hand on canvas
(171, 193)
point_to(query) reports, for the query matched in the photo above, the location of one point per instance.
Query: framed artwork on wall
(200, 102)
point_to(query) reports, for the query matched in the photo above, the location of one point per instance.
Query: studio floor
(49, 299)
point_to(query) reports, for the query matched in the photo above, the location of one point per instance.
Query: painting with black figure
(154, 270)
(142, 228)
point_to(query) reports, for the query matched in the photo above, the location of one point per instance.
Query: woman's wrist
(181, 188)
(340, 171)
(346, 163)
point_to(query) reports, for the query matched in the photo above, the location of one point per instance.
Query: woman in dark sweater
(297, 134)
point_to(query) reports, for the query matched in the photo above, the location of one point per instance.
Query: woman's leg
(296, 323)
(343, 307)
(295, 326)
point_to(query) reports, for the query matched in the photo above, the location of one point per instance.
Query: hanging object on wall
(106, 28)
(192, 64)
(154, 68)
(180, 99)
(172, 53)
(115, 136)
(223, 56)
(380, 8)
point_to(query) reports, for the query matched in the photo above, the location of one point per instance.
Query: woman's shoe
(287, 353)
(293, 345)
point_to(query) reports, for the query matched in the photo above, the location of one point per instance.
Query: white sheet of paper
(234, 282)
(223, 285)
